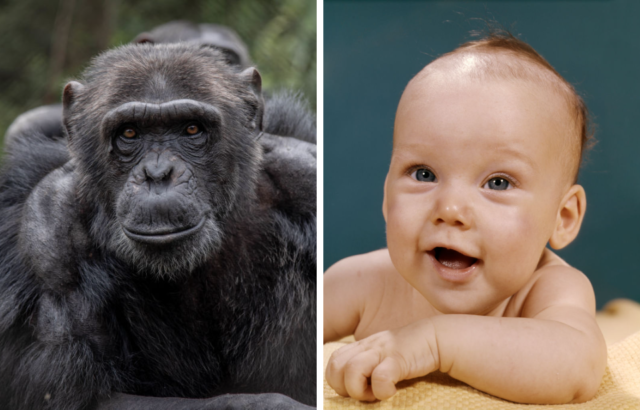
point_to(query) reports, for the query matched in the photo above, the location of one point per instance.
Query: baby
(488, 141)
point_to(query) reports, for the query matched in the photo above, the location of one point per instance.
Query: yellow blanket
(620, 388)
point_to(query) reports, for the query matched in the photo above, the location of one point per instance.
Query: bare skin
(477, 187)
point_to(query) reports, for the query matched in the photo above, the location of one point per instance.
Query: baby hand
(385, 358)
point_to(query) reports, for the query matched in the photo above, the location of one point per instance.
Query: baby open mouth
(453, 259)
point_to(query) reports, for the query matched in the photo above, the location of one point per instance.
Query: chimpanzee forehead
(162, 73)
(160, 85)
(174, 83)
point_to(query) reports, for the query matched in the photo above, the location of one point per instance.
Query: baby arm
(553, 353)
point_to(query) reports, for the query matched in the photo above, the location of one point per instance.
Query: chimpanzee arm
(50, 327)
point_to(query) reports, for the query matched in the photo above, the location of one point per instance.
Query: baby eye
(424, 175)
(498, 184)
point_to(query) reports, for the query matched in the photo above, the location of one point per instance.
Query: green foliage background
(37, 55)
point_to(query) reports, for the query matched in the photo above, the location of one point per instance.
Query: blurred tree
(44, 43)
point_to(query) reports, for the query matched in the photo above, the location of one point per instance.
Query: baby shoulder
(559, 285)
(360, 273)
(351, 287)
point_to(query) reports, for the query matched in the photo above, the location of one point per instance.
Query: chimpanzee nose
(158, 170)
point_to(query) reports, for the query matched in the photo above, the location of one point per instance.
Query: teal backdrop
(373, 48)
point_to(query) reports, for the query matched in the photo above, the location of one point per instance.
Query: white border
(320, 198)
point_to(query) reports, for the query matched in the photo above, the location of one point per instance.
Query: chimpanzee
(165, 249)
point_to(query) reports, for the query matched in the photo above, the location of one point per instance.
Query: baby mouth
(453, 259)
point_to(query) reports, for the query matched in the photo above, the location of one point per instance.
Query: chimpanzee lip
(165, 236)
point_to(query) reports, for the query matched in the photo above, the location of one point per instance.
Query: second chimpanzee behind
(168, 252)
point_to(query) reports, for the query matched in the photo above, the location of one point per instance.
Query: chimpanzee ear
(252, 78)
(69, 96)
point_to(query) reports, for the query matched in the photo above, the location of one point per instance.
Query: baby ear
(569, 219)
(384, 200)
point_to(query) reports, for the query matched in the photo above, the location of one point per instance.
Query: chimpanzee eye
(129, 133)
(192, 129)
(498, 184)
(424, 175)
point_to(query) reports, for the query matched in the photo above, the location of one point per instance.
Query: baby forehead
(452, 99)
(506, 105)
(469, 152)
(497, 67)
(468, 83)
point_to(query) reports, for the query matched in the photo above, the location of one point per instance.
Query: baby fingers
(349, 375)
(384, 378)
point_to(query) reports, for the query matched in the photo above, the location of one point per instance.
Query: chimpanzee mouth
(164, 236)
(452, 259)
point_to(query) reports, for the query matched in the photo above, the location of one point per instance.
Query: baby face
(474, 189)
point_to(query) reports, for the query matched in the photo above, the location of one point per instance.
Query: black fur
(80, 319)
(285, 112)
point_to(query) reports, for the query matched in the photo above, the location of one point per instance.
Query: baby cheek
(405, 216)
(404, 225)
(512, 232)
(517, 241)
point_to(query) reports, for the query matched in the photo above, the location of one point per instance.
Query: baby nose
(452, 208)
